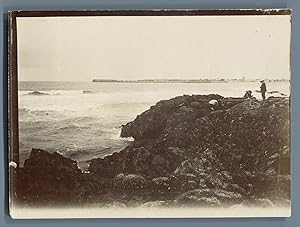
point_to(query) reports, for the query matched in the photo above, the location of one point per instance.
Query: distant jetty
(103, 80)
(161, 81)
(243, 79)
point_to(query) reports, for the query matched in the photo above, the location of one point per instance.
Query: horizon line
(151, 79)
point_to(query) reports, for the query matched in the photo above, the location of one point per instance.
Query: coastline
(185, 153)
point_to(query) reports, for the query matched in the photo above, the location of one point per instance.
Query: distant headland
(161, 81)
(184, 80)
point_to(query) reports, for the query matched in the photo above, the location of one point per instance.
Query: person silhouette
(263, 89)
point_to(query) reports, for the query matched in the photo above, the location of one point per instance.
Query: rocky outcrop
(54, 180)
(242, 145)
(186, 152)
(166, 114)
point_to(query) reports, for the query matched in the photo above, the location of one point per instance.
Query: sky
(153, 47)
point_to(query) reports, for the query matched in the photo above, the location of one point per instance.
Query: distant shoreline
(180, 81)
(158, 81)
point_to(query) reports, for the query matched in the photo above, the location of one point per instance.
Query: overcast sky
(189, 47)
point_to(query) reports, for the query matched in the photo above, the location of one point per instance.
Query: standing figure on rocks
(263, 89)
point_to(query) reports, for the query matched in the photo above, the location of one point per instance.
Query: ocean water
(82, 120)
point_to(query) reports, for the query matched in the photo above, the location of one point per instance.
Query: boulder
(53, 179)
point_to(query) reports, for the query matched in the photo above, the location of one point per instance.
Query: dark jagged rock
(54, 162)
(166, 113)
(53, 179)
(186, 152)
(149, 159)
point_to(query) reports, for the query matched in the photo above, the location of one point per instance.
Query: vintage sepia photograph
(152, 113)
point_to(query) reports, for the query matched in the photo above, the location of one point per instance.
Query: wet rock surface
(186, 153)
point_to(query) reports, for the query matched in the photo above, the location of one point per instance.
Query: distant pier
(160, 81)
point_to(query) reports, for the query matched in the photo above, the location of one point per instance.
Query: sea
(83, 120)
